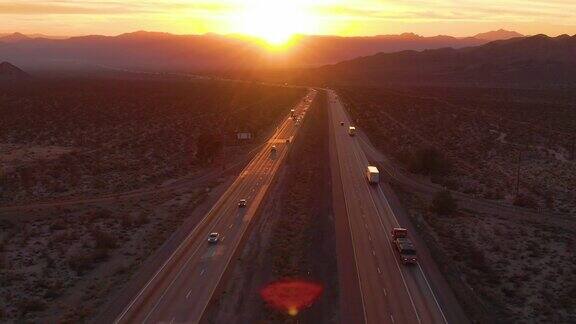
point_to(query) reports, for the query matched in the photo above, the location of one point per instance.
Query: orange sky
(277, 19)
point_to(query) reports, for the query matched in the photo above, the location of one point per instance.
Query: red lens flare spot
(291, 296)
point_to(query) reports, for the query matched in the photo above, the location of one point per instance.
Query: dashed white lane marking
(373, 253)
(202, 272)
(173, 319)
(384, 291)
(392, 318)
(230, 226)
(188, 294)
(379, 271)
(369, 238)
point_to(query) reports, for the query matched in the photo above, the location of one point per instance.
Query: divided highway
(181, 289)
(391, 291)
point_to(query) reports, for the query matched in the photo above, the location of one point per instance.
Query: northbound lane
(391, 292)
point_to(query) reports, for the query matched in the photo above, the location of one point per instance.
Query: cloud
(71, 7)
(449, 10)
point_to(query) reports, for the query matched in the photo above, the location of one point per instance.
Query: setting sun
(275, 21)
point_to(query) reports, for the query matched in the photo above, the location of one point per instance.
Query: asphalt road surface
(181, 289)
(391, 291)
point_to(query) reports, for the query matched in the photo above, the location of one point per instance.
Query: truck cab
(352, 131)
(405, 247)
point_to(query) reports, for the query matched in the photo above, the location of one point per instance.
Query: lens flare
(291, 296)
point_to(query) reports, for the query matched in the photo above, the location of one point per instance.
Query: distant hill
(500, 34)
(15, 37)
(11, 72)
(22, 36)
(163, 51)
(536, 60)
(320, 50)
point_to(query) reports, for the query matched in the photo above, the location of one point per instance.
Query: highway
(181, 289)
(391, 292)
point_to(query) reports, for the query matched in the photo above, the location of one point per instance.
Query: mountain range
(193, 53)
(500, 34)
(537, 59)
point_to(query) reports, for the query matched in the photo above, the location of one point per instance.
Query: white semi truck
(372, 174)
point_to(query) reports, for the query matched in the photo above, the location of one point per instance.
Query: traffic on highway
(393, 284)
(181, 289)
(390, 267)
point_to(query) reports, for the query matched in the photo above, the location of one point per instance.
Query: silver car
(213, 238)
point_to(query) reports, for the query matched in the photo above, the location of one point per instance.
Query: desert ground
(504, 267)
(89, 137)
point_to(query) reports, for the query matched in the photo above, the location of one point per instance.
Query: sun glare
(276, 21)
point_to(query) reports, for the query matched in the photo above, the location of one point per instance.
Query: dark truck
(404, 246)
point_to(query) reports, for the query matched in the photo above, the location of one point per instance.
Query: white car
(213, 238)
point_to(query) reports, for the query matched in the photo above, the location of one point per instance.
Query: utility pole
(572, 157)
(518, 174)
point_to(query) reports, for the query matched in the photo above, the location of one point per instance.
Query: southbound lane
(181, 289)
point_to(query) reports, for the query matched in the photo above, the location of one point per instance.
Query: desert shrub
(493, 194)
(103, 239)
(3, 178)
(30, 305)
(127, 221)
(443, 203)
(549, 200)
(142, 219)
(54, 290)
(6, 224)
(64, 237)
(100, 255)
(80, 262)
(525, 201)
(58, 224)
(428, 161)
(477, 260)
(208, 145)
